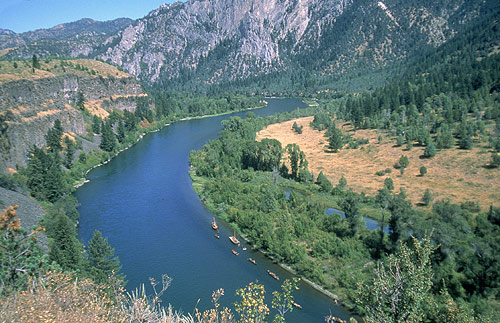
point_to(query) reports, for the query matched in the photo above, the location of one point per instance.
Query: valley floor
(455, 174)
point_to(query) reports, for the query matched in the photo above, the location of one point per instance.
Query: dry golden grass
(53, 67)
(459, 175)
(59, 297)
(95, 106)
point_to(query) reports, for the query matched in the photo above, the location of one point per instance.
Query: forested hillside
(418, 73)
(448, 100)
(281, 46)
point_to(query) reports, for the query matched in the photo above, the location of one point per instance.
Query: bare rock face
(228, 39)
(176, 36)
(30, 107)
(212, 41)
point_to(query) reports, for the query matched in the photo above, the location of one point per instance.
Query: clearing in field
(459, 175)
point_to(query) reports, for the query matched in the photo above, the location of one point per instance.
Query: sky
(26, 15)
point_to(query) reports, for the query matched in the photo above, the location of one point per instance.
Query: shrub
(389, 184)
(495, 160)
(430, 150)
(427, 198)
(296, 128)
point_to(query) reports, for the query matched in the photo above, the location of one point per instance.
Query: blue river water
(143, 202)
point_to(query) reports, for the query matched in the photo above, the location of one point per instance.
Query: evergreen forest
(434, 264)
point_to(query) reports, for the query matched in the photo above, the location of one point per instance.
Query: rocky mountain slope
(212, 41)
(222, 40)
(32, 99)
(74, 39)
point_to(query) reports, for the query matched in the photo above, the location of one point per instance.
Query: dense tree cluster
(291, 224)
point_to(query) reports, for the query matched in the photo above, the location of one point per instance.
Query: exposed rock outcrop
(213, 41)
(29, 108)
(221, 40)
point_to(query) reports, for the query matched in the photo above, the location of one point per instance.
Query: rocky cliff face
(246, 35)
(211, 41)
(29, 107)
(226, 39)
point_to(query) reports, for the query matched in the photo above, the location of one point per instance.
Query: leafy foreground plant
(20, 256)
(398, 291)
(401, 290)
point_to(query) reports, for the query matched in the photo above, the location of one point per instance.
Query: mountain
(217, 41)
(6, 32)
(74, 39)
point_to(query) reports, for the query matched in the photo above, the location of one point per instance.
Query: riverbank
(224, 113)
(160, 125)
(197, 184)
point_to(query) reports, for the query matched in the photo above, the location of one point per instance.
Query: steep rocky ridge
(217, 40)
(214, 41)
(29, 106)
(74, 39)
(240, 37)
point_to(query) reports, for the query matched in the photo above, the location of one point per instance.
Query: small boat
(273, 275)
(244, 249)
(234, 240)
(215, 226)
(217, 236)
(296, 305)
(235, 252)
(252, 261)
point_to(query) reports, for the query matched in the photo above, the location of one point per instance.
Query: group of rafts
(235, 241)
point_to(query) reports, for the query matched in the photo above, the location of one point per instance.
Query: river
(143, 202)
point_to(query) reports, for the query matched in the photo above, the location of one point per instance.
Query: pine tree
(36, 170)
(121, 131)
(389, 184)
(54, 186)
(336, 139)
(403, 163)
(101, 259)
(65, 249)
(400, 140)
(70, 152)
(430, 150)
(466, 141)
(108, 139)
(53, 137)
(444, 137)
(427, 197)
(495, 160)
(96, 124)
